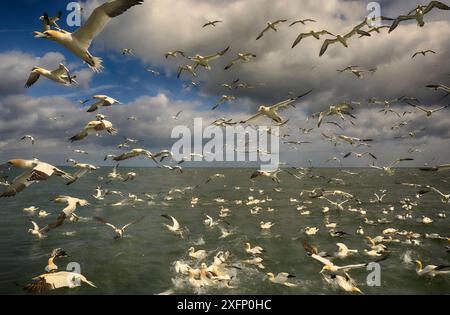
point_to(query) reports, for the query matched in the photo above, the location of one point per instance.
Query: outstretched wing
(32, 79)
(100, 17)
(131, 223)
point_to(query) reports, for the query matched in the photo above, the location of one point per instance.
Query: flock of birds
(223, 270)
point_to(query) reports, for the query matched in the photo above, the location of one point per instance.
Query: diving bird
(31, 138)
(423, 52)
(119, 231)
(212, 23)
(68, 212)
(203, 61)
(56, 280)
(270, 26)
(60, 75)
(301, 21)
(315, 34)
(56, 253)
(104, 101)
(243, 57)
(95, 126)
(175, 227)
(79, 42)
(418, 14)
(36, 171)
(127, 52)
(272, 111)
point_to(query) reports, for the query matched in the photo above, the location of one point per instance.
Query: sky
(276, 74)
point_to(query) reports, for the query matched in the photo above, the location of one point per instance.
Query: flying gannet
(315, 34)
(301, 21)
(211, 23)
(270, 26)
(119, 231)
(31, 138)
(48, 22)
(104, 101)
(83, 170)
(175, 227)
(94, 126)
(273, 175)
(60, 75)
(423, 52)
(203, 61)
(68, 212)
(80, 41)
(35, 171)
(389, 168)
(223, 99)
(271, 111)
(244, 57)
(173, 54)
(36, 231)
(56, 280)
(188, 68)
(56, 253)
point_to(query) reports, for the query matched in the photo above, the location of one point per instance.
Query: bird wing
(262, 32)
(288, 102)
(322, 260)
(35, 226)
(126, 226)
(325, 45)
(257, 115)
(60, 71)
(100, 17)
(217, 55)
(18, 184)
(32, 79)
(105, 222)
(435, 4)
(400, 19)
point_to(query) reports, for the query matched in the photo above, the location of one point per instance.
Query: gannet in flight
(270, 25)
(56, 253)
(212, 23)
(273, 175)
(60, 75)
(32, 139)
(423, 52)
(114, 175)
(223, 99)
(68, 212)
(56, 280)
(281, 278)
(94, 126)
(244, 57)
(132, 154)
(266, 225)
(80, 152)
(389, 168)
(36, 171)
(213, 177)
(431, 270)
(339, 110)
(203, 61)
(177, 115)
(187, 68)
(301, 21)
(312, 33)
(360, 155)
(104, 101)
(119, 231)
(173, 54)
(358, 73)
(418, 14)
(175, 227)
(80, 41)
(48, 22)
(429, 112)
(128, 52)
(83, 169)
(271, 111)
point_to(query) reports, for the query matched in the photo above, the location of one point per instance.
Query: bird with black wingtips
(119, 231)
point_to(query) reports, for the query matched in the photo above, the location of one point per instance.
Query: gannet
(203, 61)
(56, 253)
(114, 175)
(271, 111)
(94, 126)
(429, 112)
(48, 22)
(99, 193)
(31, 138)
(331, 268)
(256, 261)
(128, 52)
(315, 34)
(187, 68)
(199, 254)
(344, 251)
(272, 175)
(80, 152)
(209, 221)
(31, 209)
(67, 212)
(423, 52)
(257, 250)
(83, 169)
(78, 42)
(445, 197)
(244, 57)
(357, 72)
(338, 110)
(431, 270)
(119, 231)
(60, 75)
(360, 155)
(272, 26)
(311, 230)
(43, 214)
(104, 101)
(36, 231)
(344, 282)
(301, 21)
(177, 115)
(173, 54)
(266, 225)
(281, 278)
(132, 154)
(214, 177)
(211, 23)
(418, 14)
(225, 232)
(175, 227)
(223, 99)
(56, 280)
(389, 168)
(36, 171)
